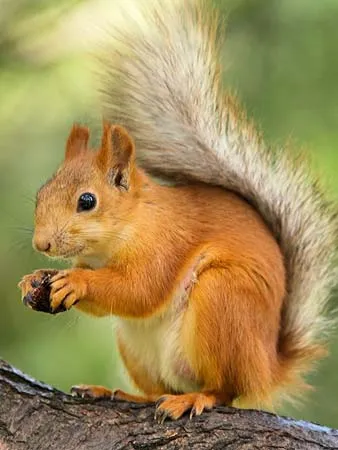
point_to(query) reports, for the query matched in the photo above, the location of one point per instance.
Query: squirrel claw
(161, 412)
(159, 401)
(28, 300)
(161, 415)
(193, 412)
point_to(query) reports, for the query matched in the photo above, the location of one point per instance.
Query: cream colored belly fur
(154, 342)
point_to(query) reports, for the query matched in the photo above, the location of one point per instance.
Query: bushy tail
(161, 80)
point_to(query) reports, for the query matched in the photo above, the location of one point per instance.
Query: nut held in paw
(36, 291)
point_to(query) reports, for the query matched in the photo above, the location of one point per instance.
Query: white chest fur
(156, 344)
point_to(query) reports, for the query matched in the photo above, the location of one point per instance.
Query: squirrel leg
(230, 335)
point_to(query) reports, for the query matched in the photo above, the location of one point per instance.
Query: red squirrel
(219, 280)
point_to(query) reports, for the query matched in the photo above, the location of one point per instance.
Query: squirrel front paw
(35, 289)
(68, 287)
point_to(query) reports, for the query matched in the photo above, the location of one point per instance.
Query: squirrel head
(90, 200)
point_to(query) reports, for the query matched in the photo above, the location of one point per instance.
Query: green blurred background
(280, 56)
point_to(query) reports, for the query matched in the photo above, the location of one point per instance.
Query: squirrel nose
(42, 244)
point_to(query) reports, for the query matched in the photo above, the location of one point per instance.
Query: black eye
(86, 202)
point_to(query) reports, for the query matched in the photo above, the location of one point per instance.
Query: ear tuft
(116, 156)
(77, 141)
(122, 144)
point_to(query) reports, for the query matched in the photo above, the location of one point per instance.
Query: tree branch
(35, 416)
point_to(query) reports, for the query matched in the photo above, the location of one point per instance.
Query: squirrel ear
(116, 156)
(77, 141)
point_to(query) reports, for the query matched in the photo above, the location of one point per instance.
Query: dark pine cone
(38, 297)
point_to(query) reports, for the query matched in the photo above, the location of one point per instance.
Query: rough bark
(35, 416)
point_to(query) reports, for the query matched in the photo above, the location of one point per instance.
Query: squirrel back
(161, 80)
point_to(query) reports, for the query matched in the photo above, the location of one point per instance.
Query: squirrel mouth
(70, 254)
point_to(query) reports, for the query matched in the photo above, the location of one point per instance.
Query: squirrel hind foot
(90, 391)
(174, 406)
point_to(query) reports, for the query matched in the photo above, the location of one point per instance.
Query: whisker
(23, 229)
(29, 199)
(61, 230)
(99, 236)
(18, 247)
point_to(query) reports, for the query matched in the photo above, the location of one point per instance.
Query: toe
(161, 415)
(90, 391)
(61, 275)
(171, 406)
(57, 285)
(81, 390)
(57, 299)
(69, 301)
(28, 300)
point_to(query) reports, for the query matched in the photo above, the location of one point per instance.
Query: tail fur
(161, 80)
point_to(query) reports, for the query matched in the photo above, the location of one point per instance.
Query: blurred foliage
(280, 56)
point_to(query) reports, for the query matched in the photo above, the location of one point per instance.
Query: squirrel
(220, 276)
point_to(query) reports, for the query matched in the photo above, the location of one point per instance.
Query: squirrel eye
(86, 202)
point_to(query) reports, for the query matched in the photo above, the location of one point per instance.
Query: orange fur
(195, 263)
